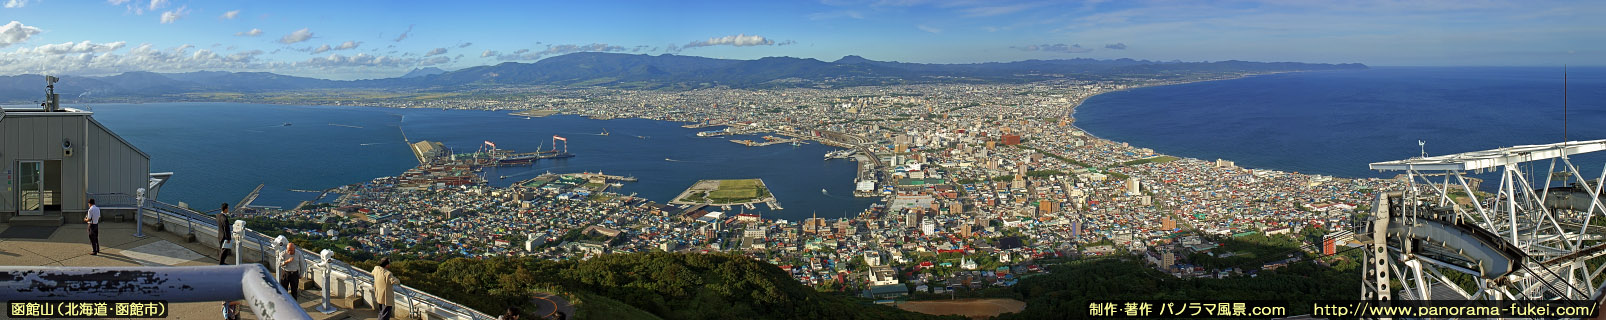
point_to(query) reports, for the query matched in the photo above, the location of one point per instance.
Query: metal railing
(114, 200)
(417, 302)
(201, 284)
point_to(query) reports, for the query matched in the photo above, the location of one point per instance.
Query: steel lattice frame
(1420, 238)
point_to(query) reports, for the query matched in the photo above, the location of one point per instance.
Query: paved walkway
(548, 306)
(69, 246)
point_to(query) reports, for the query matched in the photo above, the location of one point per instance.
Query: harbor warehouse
(53, 159)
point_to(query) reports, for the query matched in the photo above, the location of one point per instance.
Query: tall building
(928, 227)
(1046, 206)
(814, 224)
(1019, 182)
(1011, 139)
(1223, 163)
(1132, 187)
(1167, 224)
(956, 207)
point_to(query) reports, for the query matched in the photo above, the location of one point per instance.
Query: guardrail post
(239, 234)
(139, 214)
(326, 308)
(191, 236)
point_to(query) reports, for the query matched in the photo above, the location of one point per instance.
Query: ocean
(221, 151)
(1337, 122)
(1330, 123)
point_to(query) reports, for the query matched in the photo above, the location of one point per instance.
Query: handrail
(200, 284)
(114, 200)
(413, 296)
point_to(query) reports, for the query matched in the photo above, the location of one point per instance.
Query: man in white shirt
(291, 265)
(93, 219)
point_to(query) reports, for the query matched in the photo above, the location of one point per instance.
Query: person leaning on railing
(384, 297)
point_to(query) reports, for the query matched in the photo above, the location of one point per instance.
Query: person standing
(384, 298)
(224, 234)
(511, 314)
(93, 219)
(291, 265)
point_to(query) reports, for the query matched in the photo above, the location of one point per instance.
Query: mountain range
(635, 71)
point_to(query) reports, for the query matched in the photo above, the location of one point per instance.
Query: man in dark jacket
(224, 234)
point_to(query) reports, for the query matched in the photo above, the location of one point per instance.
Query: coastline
(1159, 153)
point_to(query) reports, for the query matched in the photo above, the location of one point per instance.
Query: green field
(727, 191)
(738, 184)
(722, 193)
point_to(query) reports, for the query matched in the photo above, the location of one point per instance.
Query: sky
(362, 39)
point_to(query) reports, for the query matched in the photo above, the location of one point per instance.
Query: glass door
(31, 187)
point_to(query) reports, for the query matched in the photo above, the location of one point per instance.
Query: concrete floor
(69, 246)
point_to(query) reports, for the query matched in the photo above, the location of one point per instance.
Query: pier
(701, 125)
(750, 143)
(534, 113)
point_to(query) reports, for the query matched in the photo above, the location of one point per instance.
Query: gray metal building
(54, 159)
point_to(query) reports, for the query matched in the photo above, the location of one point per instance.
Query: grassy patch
(734, 193)
(737, 184)
(591, 306)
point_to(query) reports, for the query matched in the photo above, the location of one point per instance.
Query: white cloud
(16, 3)
(15, 32)
(1057, 47)
(171, 16)
(464, 45)
(488, 53)
(358, 60)
(158, 4)
(321, 49)
(999, 10)
(81, 47)
(927, 28)
(739, 40)
(99, 59)
(298, 36)
(435, 52)
(348, 45)
(230, 15)
(553, 50)
(434, 61)
(404, 34)
(254, 32)
(835, 15)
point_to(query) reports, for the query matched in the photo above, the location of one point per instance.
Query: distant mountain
(423, 72)
(635, 71)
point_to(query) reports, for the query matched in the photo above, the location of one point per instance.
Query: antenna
(1424, 146)
(52, 101)
(1564, 106)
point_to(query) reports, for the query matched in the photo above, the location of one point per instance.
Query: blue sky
(364, 39)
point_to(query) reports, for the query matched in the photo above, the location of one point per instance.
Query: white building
(56, 159)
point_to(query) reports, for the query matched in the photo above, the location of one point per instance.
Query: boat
(822, 191)
(286, 124)
(604, 132)
(642, 137)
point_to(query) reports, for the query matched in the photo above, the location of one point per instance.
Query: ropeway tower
(1539, 237)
